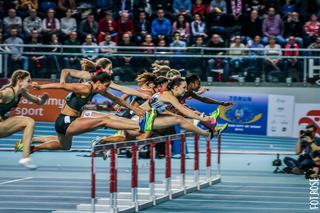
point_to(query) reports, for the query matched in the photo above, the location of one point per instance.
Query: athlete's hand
(35, 86)
(44, 98)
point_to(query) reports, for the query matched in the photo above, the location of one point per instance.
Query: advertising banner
(306, 114)
(47, 112)
(248, 115)
(280, 115)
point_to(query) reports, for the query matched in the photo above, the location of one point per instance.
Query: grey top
(68, 25)
(29, 24)
(16, 51)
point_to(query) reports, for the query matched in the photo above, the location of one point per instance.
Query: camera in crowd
(306, 133)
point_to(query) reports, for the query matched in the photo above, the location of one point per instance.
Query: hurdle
(142, 198)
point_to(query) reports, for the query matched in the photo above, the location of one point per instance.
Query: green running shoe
(221, 128)
(149, 120)
(19, 146)
(214, 115)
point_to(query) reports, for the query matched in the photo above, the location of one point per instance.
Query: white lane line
(16, 180)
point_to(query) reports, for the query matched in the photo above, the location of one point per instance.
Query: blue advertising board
(249, 115)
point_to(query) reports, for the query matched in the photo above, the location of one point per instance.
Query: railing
(307, 66)
(152, 195)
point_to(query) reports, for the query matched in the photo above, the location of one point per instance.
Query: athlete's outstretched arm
(74, 73)
(122, 102)
(70, 87)
(128, 90)
(209, 100)
(182, 109)
(37, 100)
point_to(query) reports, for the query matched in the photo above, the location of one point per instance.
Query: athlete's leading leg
(18, 123)
(167, 121)
(81, 125)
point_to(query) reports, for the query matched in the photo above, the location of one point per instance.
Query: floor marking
(16, 180)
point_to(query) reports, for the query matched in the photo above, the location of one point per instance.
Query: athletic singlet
(77, 103)
(6, 107)
(158, 105)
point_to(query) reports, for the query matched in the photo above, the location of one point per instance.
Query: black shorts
(63, 122)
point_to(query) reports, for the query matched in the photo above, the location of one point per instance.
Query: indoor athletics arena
(189, 106)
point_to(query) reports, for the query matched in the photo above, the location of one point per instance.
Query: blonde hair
(90, 66)
(15, 77)
(145, 78)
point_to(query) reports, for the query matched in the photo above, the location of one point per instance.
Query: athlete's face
(180, 90)
(24, 84)
(102, 87)
(108, 69)
(195, 86)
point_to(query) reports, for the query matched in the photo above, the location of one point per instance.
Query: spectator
(273, 25)
(182, 27)
(258, 5)
(90, 53)
(315, 45)
(293, 27)
(198, 8)
(36, 62)
(125, 25)
(288, 7)
(305, 8)
(198, 26)
(255, 64)
(141, 26)
(32, 22)
(148, 43)
(72, 61)
(124, 5)
(54, 60)
(68, 24)
(127, 63)
(108, 45)
(177, 42)
(147, 61)
(291, 50)
(237, 62)
(218, 7)
(178, 62)
(182, 6)
(29, 4)
(143, 6)
(197, 65)
(88, 26)
(251, 27)
(161, 4)
(107, 25)
(216, 64)
(316, 162)
(65, 5)
(237, 7)
(16, 52)
(272, 49)
(50, 25)
(12, 21)
(311, 29)
(161, 26)
(308, 144)
(103, 4)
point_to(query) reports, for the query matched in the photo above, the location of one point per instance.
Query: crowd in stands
(266, 24)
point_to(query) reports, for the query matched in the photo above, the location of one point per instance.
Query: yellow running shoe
(19, 146)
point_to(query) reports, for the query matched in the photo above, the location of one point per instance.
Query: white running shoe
(27, 162)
